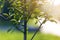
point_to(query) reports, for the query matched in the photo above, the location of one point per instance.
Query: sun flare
(56, 2)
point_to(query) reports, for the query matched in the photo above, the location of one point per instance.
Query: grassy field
(19, 36)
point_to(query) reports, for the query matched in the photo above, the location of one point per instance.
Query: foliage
(17, 9)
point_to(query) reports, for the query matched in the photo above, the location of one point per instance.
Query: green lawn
(19, 36)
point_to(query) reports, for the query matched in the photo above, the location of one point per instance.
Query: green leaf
(13, 20)
(11, 15)
(53, 21)
(5, 14)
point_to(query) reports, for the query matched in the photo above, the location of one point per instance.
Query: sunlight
(51, 28)
(56, 2)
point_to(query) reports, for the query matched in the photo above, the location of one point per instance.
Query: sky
(51, 27)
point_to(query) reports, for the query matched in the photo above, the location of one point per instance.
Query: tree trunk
(25, 30)
(25, 21)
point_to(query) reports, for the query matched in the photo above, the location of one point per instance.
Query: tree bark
(25, 21)
(25, 30)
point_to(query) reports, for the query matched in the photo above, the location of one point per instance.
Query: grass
(19, 36)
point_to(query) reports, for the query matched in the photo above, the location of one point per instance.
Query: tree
(19, 12)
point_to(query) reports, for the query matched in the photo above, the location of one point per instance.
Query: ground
(19, 36)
